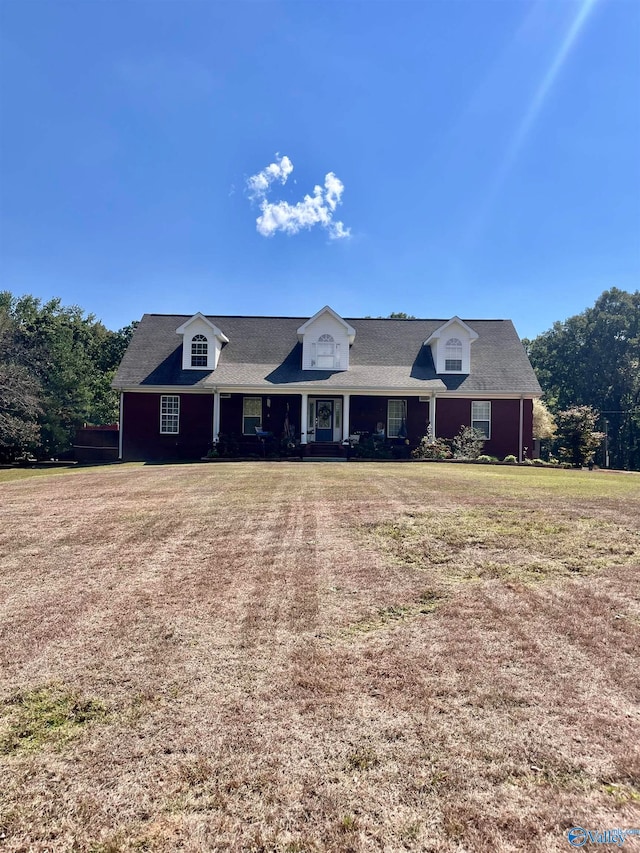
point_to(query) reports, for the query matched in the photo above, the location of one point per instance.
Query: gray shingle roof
(387, 354)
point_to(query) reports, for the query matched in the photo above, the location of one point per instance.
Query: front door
(324, 420)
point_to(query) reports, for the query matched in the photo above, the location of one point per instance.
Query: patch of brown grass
(293, 659)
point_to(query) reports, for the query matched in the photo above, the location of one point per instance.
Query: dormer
(451, 347)
(201, 343)
(326, 339)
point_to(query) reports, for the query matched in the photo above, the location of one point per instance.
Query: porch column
(216, 415)
(346, 400)
(303, 419)
(432, 417)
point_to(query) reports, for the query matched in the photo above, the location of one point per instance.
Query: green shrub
(576, 436)
(484, 458)
(369, 449)
(228, 445)
(468, 443)
(428, 449)
(510, 459)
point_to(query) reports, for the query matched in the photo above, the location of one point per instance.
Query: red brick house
(184, 381)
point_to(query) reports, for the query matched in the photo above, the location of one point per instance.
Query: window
(396, 419)
(453, 354)
(251, 415)
(199, 351)
(325, 352)
(169, 413)
(481, 417)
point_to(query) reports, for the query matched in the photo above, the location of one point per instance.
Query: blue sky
(483, 157)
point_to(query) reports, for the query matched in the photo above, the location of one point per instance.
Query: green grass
(11, 475)
(44, 716)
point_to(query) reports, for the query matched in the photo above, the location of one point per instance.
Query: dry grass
(318, 658)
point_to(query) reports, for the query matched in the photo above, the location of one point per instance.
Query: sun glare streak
(530, 116)
(547, 82)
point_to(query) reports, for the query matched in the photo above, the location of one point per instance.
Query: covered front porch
(308, 423)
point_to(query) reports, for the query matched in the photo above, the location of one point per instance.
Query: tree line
(589, 369)
(57, 363)
(56, 367)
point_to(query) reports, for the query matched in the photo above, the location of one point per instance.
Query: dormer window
(453, 355)
(327, 353)
(451, 346)
(202, 343)
(325, 340)
(199, 351)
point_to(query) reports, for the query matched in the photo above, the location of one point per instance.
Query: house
(185, 381)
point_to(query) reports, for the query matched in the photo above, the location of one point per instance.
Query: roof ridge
(375, 319)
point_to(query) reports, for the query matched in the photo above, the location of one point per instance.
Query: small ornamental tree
(576, 435)
(544, 425)
(468, 443)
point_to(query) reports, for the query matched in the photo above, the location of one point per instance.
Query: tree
(19, 397)
(110, 347)
(400, 315)
(395, 315)
(544, 425)
(593, 359)
(72, 357)
(577, 438)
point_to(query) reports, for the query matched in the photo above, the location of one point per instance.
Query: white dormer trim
(197, 327)
(457, 330)
(326, 339)
(351, 332)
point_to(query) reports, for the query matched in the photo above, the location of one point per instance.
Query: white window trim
(245, 400)
(403, 409)
(453, 352)
(487, 420)
(326, 352)
(200, 341)
(164, 398)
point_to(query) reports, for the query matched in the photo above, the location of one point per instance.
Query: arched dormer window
(327, 355)
(199, 351)
(453, 354)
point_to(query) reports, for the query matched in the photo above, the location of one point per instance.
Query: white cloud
(316, 209)
(258, 185)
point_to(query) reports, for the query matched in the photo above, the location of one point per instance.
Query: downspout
(521, 430)
(120, 426)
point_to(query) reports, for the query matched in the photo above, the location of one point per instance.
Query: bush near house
(576, 436)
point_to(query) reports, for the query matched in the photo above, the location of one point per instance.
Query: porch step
(324, 458)
(331, 449)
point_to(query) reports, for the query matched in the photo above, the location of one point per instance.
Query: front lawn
(318, 657)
